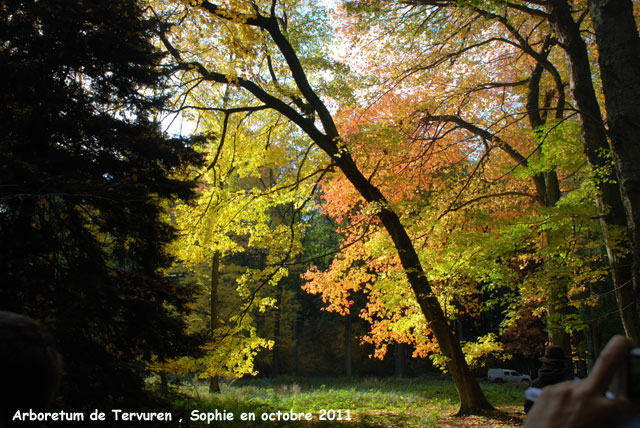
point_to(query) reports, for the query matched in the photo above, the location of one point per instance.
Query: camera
(633, 374)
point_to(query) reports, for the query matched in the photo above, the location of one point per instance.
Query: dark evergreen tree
(84, 174)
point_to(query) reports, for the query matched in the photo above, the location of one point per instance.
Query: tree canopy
(426, 165)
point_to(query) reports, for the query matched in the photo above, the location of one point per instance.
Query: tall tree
(560, 15)
(619, 59)
(262, 27)
(86, 173)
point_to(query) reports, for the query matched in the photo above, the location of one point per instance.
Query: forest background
(371, 189)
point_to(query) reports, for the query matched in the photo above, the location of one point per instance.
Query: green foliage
(490, 5)
(476, 352)
(230, 354)
(558, 145)
(321, 240)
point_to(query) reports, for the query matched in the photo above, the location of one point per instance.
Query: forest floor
(424, 402)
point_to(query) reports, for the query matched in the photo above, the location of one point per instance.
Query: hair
(30, 367)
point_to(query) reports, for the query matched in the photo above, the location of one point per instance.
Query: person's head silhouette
(30, 368)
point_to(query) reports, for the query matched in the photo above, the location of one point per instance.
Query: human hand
(583, 404)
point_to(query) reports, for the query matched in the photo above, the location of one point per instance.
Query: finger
(615, 411)
(611, 359)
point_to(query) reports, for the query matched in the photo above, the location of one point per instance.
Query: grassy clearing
(358, 403)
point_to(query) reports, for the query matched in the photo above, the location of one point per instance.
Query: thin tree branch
(482, 197)
(483, 133)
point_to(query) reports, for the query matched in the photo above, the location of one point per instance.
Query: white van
(505, 375)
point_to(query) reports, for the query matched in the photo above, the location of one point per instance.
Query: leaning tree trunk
(593, 133)
(472, 398)
(619, 58)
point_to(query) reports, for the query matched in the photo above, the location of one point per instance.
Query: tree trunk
(296, 344)
(275, 353)
(594, 137)
(472, 399)
(348, 333)
(214, 382)
(548, 192)
(619, 58)
(164, 384)
(400, 356)
(558, 305)
(595, 332)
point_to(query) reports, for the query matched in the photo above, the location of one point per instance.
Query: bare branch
(218, 109)
(488, 196)
(483, 133)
